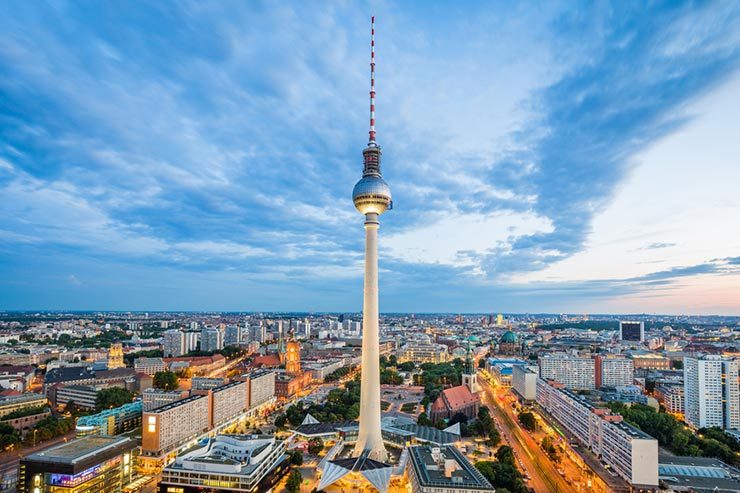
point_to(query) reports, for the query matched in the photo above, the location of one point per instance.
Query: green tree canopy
(293, 484)
(165, 380)
(112, 397)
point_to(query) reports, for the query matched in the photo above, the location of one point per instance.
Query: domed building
(509, 343)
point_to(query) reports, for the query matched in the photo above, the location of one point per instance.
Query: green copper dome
(508, 337)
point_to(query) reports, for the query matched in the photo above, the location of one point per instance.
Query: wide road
(543, 473)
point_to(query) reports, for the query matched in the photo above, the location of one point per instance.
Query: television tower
(372, 197)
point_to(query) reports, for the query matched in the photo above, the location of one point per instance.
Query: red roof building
(455, 400)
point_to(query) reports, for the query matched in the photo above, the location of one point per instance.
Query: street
(544, 476)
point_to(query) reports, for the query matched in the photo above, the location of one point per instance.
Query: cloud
(658, 245)
(202, 141)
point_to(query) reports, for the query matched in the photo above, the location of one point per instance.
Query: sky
(574, 157)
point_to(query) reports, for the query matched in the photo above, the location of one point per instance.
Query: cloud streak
(202, 141)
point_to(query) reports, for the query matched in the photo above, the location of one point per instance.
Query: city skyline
(543, 160)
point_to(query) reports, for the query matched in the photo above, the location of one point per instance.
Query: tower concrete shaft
(369, 437)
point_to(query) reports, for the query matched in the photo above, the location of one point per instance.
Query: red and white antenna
(372, 80)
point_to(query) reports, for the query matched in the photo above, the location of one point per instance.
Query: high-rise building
(258, 333)
(233, 336)
(211, 339)
(613, 371)
(173, 343)
(572, 371)
(632, 331)
(192, 339)
(711, 395)
(372, 197)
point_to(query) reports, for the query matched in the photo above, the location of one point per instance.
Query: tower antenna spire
(372, 80)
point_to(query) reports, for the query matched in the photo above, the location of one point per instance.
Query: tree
(505, 455)
(407, 366)
(9, 437)
(165, 380)
(294, 481)
(296, 458)
(423, 420)
(281, 420)
(315, 445)
(528, 421)
(112, 397)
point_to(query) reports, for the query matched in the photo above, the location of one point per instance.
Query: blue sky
(201, 155)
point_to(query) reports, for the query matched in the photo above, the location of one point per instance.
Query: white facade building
(711, 395)
(524, 381)
(173, 343)
(211, 339)
(572, 371)
(631, 453)
(614, 371)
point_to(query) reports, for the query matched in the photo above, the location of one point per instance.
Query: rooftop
(432, 467)
(83, 448)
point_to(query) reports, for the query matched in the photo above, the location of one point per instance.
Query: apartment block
(613, 371)
(174, 343)
(228, 401)
(631, 453)
(166, 428)
(577, 373)
(711, 394)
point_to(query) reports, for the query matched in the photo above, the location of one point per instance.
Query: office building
(443, 470)
(174, 343)
(83, 396)
(613, 371)
(711, 395)
(88, 464)
(524, 382)
(574, 372)
(150, 366)
(631, 453)
(631, 331)
(228, 463)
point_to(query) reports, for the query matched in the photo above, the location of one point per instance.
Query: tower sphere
(372, 195)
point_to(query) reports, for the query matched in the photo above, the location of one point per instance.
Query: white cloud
(457, 240)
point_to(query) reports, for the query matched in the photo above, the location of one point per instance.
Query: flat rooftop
(431, 472)
(80, 449)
